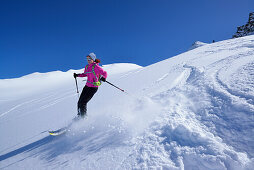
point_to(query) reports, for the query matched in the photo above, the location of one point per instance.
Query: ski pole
(115, 86)
(76, 85)
(77, 91)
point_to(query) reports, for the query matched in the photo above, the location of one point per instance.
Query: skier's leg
(90, 93)
(81, 103)
(85, 97)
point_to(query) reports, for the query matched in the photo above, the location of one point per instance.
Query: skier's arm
(102, 72)
(83, 74)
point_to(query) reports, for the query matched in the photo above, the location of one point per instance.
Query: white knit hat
(93, 56)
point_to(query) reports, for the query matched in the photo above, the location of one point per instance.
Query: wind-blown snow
(192, 111)
(197, 44)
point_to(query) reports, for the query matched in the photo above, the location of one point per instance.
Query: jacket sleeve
(83, 74)
(102, 72)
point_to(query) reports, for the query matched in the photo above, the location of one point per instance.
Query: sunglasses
(89, 58)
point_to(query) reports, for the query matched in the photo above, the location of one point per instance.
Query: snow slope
(192, 111)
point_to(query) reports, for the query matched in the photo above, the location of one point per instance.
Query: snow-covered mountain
(191, 111)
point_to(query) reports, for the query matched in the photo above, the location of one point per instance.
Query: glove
(75, 75)
(103, 79)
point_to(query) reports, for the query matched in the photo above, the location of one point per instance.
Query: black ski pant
(86, 95)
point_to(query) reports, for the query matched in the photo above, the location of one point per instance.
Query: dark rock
(247, 29)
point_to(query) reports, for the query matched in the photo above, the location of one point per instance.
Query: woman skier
(95, 74)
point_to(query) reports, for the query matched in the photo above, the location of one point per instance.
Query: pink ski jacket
(88, 72)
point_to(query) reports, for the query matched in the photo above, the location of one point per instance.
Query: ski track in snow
(15, 107)
(197, 114)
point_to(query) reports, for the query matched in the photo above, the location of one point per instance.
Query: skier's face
(89, 59)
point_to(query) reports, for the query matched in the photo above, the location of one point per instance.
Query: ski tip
(56, 133)
(53, 134)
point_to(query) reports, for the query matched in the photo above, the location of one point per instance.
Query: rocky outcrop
(247, 29)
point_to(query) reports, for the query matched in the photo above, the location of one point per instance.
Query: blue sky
(49, 35)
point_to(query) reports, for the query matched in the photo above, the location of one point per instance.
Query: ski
(58, 132)
(64, 129)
